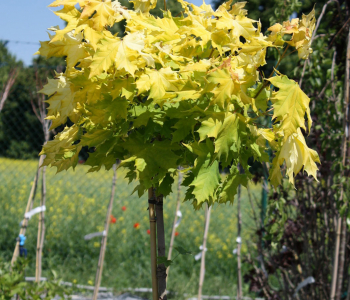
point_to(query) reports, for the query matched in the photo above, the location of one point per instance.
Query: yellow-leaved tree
(180, 90)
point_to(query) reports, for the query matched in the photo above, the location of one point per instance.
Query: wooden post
(152, 222)
(41, 229)
(202, 271)
(239, 241)
(339, 253)
(29, 205)
(342, 219)
(104, 237)
(161, 269)
(172, 238)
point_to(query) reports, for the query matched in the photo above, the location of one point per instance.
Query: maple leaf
(226, 86)
(71, 46)
(230, 185)
(296, 155)
(56, 150)
(229, 134)
(61, 104)
(290, 105)
(158, 83)
(206, 177)
(100, 13)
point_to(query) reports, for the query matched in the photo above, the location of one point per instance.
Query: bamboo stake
(239, 228)
(339, 253)
(29, 205)
(41, 225)
(161, 269)
(345, 141)
(104, 237)
(202, 271)
(172, 238)
(152, 222)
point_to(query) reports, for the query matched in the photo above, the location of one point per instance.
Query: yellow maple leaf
(290, 105)
(71, 46)
(158, 82)
(227, 86)
(296, 154)
(121, 53)
(99, 12)
(61, 104)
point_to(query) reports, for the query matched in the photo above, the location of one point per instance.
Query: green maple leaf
(206, 176)
(183, 128)
(229, 135)
(230, 185)
(96, 138)
(152, 160)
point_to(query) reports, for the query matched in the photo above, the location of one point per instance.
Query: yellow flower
(75, 281)
(121, 219)
(97, 244)
(90, 282)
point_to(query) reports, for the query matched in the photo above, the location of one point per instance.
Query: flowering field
(76, 206)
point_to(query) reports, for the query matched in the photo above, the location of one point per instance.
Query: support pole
(152, 221)
(104, 237)
(172, 238)
(239, 242)
(29, 205)
(41, 229)
(202, 271)
(161, 269)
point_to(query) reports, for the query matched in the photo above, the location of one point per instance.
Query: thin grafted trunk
(28, 208)
(204, 245)
(6, 91)
(153, 242)
(104, 237)
(161, 269)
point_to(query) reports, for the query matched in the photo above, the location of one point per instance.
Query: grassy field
(76, 205)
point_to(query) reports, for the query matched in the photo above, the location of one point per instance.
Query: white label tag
(34, 211)
(179, 214)
(95, 234)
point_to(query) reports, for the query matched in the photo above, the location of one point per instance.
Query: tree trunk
(29, 205)
(172, 238)
(104, 237)
(202, 271)
(10, 82)
(153, 245)
(239, 240)
(161, 269)
(342, 219)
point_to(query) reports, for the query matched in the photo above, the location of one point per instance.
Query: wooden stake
(339, 253)
(104, 237)
(28, 208)
(346, 128)
(161, 269)
(152, 222)
(239, 240)
(202, 271)
(172, 238)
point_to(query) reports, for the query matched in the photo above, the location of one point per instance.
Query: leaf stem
(165, 5)
(273, 71)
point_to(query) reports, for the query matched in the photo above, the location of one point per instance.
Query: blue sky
(24, 22)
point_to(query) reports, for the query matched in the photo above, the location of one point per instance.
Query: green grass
(76, 205)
